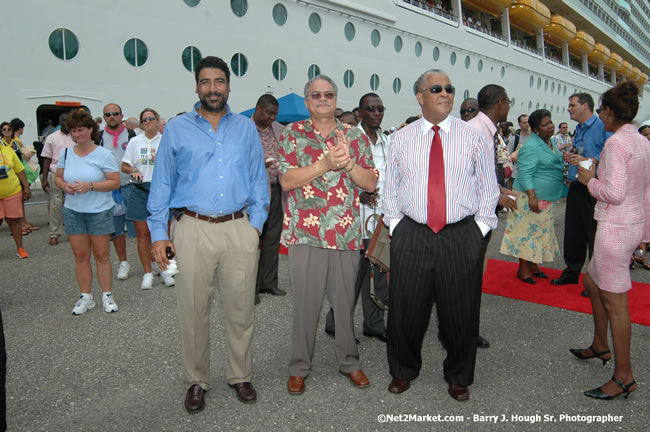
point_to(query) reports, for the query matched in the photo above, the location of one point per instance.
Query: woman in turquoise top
(529, 233)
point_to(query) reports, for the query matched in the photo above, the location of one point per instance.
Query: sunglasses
(450, 89)
(7, 129)
(464, 111)
(372, 109)
(112, 114)
(316, 96)
(148, 119)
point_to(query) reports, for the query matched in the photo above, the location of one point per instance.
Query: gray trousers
(312, 271)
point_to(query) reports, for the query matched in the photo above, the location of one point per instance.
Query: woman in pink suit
(622, 189)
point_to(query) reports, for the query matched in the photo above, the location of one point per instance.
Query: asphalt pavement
(122, 371)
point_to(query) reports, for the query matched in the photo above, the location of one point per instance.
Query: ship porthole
(280, 14)
(64, 44)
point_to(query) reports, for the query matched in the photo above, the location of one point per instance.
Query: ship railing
(576, 68)
(484, 30)
(434, 9)
(555, 59)
(524, 45)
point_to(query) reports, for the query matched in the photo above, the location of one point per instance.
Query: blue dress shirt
(213, 173)
(592, 136)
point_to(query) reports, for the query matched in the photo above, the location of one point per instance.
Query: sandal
(578, 353)
(598, 393)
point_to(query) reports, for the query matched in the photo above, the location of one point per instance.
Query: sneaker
(123, 272)
(109, 303)
(167, 279)
(172, 268)
(22, 253)
(155, 269)
(83, 304)
(147, 281)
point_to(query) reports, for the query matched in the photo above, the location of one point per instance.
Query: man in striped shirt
(439, 202)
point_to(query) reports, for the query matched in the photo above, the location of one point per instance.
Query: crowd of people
(217, 194)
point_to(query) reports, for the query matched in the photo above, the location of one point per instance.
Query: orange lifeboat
(643, 80)
(635, 76)
(600, 54)
(582, 44)
(615, 62)
(529, 15)
(559, 30)
(492, 7)
(626, 70)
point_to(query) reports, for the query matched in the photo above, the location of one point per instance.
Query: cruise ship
(142, 53)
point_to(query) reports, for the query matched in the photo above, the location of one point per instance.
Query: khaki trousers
(56, 207)
(227, 251)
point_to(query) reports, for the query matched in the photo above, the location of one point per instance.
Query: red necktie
(436, 204)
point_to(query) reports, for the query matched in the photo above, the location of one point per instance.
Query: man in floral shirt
(324, 165)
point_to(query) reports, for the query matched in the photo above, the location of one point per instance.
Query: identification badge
(3, 173)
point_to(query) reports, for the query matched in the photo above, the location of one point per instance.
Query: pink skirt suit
(623, 208)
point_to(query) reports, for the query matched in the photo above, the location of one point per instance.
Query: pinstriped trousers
(445, 268)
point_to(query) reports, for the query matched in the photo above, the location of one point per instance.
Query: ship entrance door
(46, 114)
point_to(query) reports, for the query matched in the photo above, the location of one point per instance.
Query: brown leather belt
(218, 219)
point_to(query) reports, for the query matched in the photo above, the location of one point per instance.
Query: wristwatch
(92, 186)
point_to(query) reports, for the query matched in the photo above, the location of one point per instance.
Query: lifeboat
(626, 70)
(635, 76)
(600, 54)
(559, 30)
(643, 80)
(492, 7)
(615, 62)
(582, 44)
(529, 15)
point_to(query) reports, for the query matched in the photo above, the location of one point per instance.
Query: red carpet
(501, 279)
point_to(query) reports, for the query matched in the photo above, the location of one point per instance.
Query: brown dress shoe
(459, 393)
(245, 392)
(399, 386)
(357, 378)
(296, 385)
(54, 241)
(194, 401)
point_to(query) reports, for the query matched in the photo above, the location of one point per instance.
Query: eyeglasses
(112, 114)
(148, 119)
(372, 108)
(464, 111)
(315, 96)
(450, 89)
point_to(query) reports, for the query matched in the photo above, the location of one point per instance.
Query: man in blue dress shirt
(210, 166)
(579, 222)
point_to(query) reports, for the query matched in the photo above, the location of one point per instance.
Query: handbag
(378, 253)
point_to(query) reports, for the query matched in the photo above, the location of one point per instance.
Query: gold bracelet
(353, 164)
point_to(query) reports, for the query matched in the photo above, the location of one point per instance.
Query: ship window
(564, 91)
(313, 71)
(466, 94)
(531, 82)
(374, 82)
(239, 7)
(192, 3)
(349, 31)
(503, 71)
(136, 52)
(468, 62)
(552, 87)
(546, 85)
(418, 49)
(279, 69)
(559, 88)
(530, 104)
(452, 58)
(64, 44)
(480, 65)
(239, 64)
(537, 106)
(314, 23)
(191, 56)
(398, 44)
(375, 38)
(397, 85)
(436, 54)
(512, 102)
(279, 14)
(348, 78)
(544, 106)
(551, 109)
(539, 83)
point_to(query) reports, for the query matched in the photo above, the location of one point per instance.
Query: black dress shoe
(274, 291)
(398, 386)
(378, 336)
(194, 400)
(481, 342)
(528, 280)
(332, 333)
(460, 393)
(540, 274)
(245, 392)
(564, 280)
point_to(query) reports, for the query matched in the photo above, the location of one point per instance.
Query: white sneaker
(147, 281)
(172, 268)
(83, 304)
(155, 269)
(109, 304)
(167, 279)
(123, 272)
